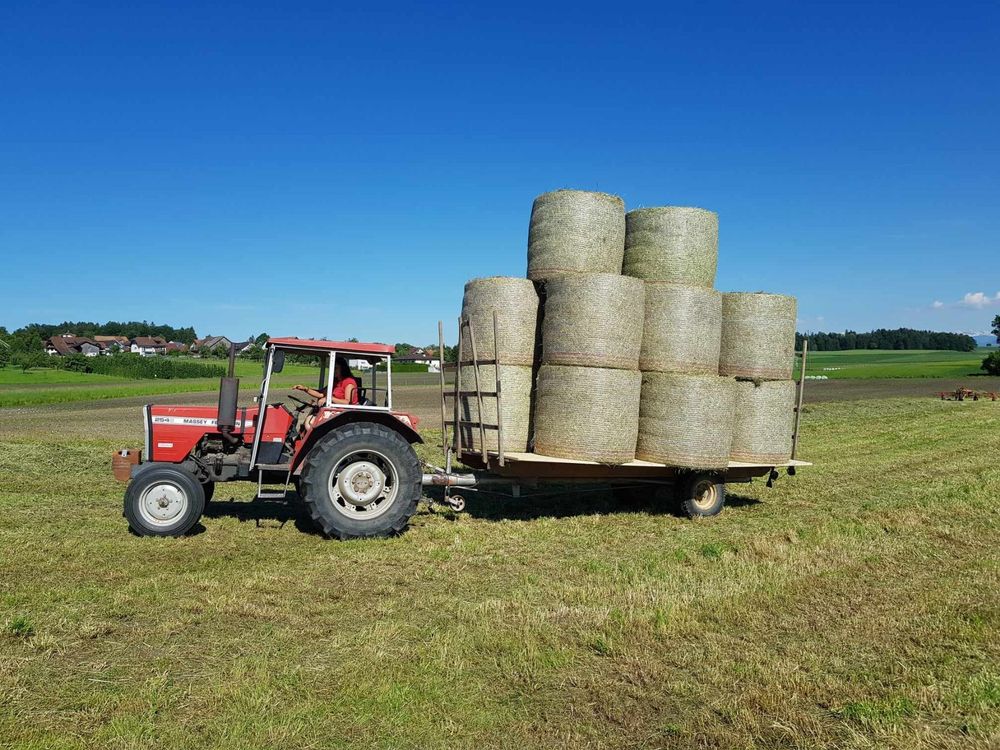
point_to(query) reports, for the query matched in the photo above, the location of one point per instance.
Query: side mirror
(278, 361)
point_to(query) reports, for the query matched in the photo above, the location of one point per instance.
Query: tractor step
(273, 494)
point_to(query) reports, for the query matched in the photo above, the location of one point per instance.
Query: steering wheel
(293, 397)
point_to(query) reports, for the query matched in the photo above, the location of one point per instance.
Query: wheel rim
(704, 494)
(363, 485)
(163, 503)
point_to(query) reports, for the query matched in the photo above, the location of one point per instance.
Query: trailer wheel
(361, 480)
(702, 494)
(163, 501)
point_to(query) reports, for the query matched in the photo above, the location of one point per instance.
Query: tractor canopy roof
(341, 347)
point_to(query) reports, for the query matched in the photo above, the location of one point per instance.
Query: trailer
(698, 492)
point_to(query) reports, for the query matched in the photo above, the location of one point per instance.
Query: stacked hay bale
(758, 349)
(640, 356)
(587, 404)
(686, 408)
(516, 304)
(575, 231)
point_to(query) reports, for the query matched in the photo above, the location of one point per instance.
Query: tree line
(29, 338)
(882, 338)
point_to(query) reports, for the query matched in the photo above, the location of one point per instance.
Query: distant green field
(44, 386)
(879, 363)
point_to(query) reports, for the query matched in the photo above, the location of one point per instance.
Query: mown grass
(878, 363)
(856, 605)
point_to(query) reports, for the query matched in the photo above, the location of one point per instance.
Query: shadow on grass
(565, 501)
(264, 512)
(552, 501)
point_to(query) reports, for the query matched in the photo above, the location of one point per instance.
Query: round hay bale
(516, 384)
(686, 420)
(587, 413)
(593, 320)
(682, 330)
(516, 303)
(672, 243)
(758, 336)
(575, 231)
(764, 421)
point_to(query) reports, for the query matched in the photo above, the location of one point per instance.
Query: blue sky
(315, 169)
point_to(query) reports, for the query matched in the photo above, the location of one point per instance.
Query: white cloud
(979, 300)
(974, 300)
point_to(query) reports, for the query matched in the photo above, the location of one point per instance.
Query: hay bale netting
(575, 231)
(764, 421)
(682, 329)
(516, 304)
(686, 420)
(587, 413)
(593, 320)
(672, 243)
(516, 382)
(758, 336)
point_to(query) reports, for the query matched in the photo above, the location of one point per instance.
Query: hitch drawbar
(443, 479)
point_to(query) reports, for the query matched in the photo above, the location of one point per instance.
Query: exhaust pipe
(229, 392)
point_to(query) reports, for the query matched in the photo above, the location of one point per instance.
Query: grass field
(877, 363)
(856, 605)
(45, 386)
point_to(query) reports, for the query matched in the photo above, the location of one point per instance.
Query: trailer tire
(701, 494)
(163, 501)
(361, 480)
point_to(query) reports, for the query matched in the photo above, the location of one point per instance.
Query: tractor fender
(348, 417)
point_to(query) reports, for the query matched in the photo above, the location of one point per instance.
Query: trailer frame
(498, 466)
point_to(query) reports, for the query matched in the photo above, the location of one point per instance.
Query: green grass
(45, 386)
(876, 363)
(855, 605)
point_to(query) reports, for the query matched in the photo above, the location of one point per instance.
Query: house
(112, 344)
(176, 346)
(209, 343)
(67, 344)
(148, 346)
(359, 364)
(421, 357)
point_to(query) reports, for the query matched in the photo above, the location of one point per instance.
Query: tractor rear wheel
(361, 480)
(701, 494)
(163, 501)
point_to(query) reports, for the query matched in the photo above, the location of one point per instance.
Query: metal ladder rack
(456, 448)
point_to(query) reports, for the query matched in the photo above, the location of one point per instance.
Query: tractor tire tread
(314, 482)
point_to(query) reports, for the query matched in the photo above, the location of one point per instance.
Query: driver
(345, 389)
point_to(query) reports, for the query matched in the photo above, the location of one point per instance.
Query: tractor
(353, 465)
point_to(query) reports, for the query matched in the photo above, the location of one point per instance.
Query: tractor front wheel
(361, 480)
(163, 501)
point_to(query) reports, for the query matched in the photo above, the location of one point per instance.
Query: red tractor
(353, 465)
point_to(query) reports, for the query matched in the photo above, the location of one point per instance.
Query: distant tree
(403, 349)
(261, 340)
(996, 326)
(4, 350)
(253, 352)
(898, 339)
(992, 363)
(29, 360)
(220, 351)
